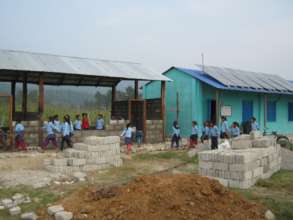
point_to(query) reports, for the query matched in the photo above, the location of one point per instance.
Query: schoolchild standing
(51, 137)
(235, 131)
(214, 135)
(66, 130)
(100, 123)
(205, 132)
(77, 123)
(19, 136)
(194, 134)
(57, 123)
(175, 135)
(127, 134)
(85, 122)
(254, 124)
(224, 128)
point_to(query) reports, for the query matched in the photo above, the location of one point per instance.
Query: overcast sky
(249, 34)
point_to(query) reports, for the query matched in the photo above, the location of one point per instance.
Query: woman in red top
(85, 124)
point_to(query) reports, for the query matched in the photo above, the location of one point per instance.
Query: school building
(205, 94)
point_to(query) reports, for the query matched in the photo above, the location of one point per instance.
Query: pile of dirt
(181, 196)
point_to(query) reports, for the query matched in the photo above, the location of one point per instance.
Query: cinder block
(255, 135)
(15, 210)
(263, 142)
(63, 215)
(76, 162)
(241, 143)
(59, 162)
(29, 216)
(54, 209)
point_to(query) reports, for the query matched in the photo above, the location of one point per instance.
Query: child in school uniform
(51, 128)
(85, 124)
(224, 128)
(77, 123)
(235, 131)
(56, 122)
(66, 130)
(100, 123)
(175, 135)
(194, 134)
(214, 134)
(254, 124)
(19, 136)
(205, 132)
(127, 134)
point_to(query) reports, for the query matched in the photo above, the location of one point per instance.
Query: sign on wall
(226, 111)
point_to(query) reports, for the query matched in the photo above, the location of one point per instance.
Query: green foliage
(275, 193)
(282, 180)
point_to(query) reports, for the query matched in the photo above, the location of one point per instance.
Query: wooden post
(113, 98)
(24, 96)
(129, 111)
(41, 109)
(13, 85)
(217, 107)
(163, 107)
(10, 124)
(144, 121)
(177, 106)
(136, 89)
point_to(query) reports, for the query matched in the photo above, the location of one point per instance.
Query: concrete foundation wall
(114, 128)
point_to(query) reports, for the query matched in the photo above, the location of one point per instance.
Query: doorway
(212, 111)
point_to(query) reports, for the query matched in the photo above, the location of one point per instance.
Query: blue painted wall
(193, 103)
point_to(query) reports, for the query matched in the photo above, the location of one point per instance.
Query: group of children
(54, 126)
(84, 123)
(210, 131)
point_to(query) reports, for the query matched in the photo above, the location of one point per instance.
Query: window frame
(290, 111)
(271, 112)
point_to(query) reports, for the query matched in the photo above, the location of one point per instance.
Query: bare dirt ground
(25, 168)
(180, 196)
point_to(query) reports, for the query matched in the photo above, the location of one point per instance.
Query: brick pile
(154, 131)
(93, 154)
(240, 167)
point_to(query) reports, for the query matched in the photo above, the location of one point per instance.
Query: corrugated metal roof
(238, 80)
(71, 68)
(248, 80)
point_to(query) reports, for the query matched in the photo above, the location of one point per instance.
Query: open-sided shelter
(46, 69)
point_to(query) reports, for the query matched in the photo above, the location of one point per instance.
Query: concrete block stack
(242, 168)
(154, 131)
(93, 154)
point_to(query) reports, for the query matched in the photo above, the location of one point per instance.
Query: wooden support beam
(163, 107)
(113, 98)
(10, 123)
(144, 121)
(129, 111)
(136, 89)
(265, 111)
(13, 86)
(24, 95)
(41, 108)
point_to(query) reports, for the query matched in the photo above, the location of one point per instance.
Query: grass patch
(39, 197)
(168, 155)
(282, 180)
(275, 193)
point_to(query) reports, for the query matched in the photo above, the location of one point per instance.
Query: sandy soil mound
(181, 196)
